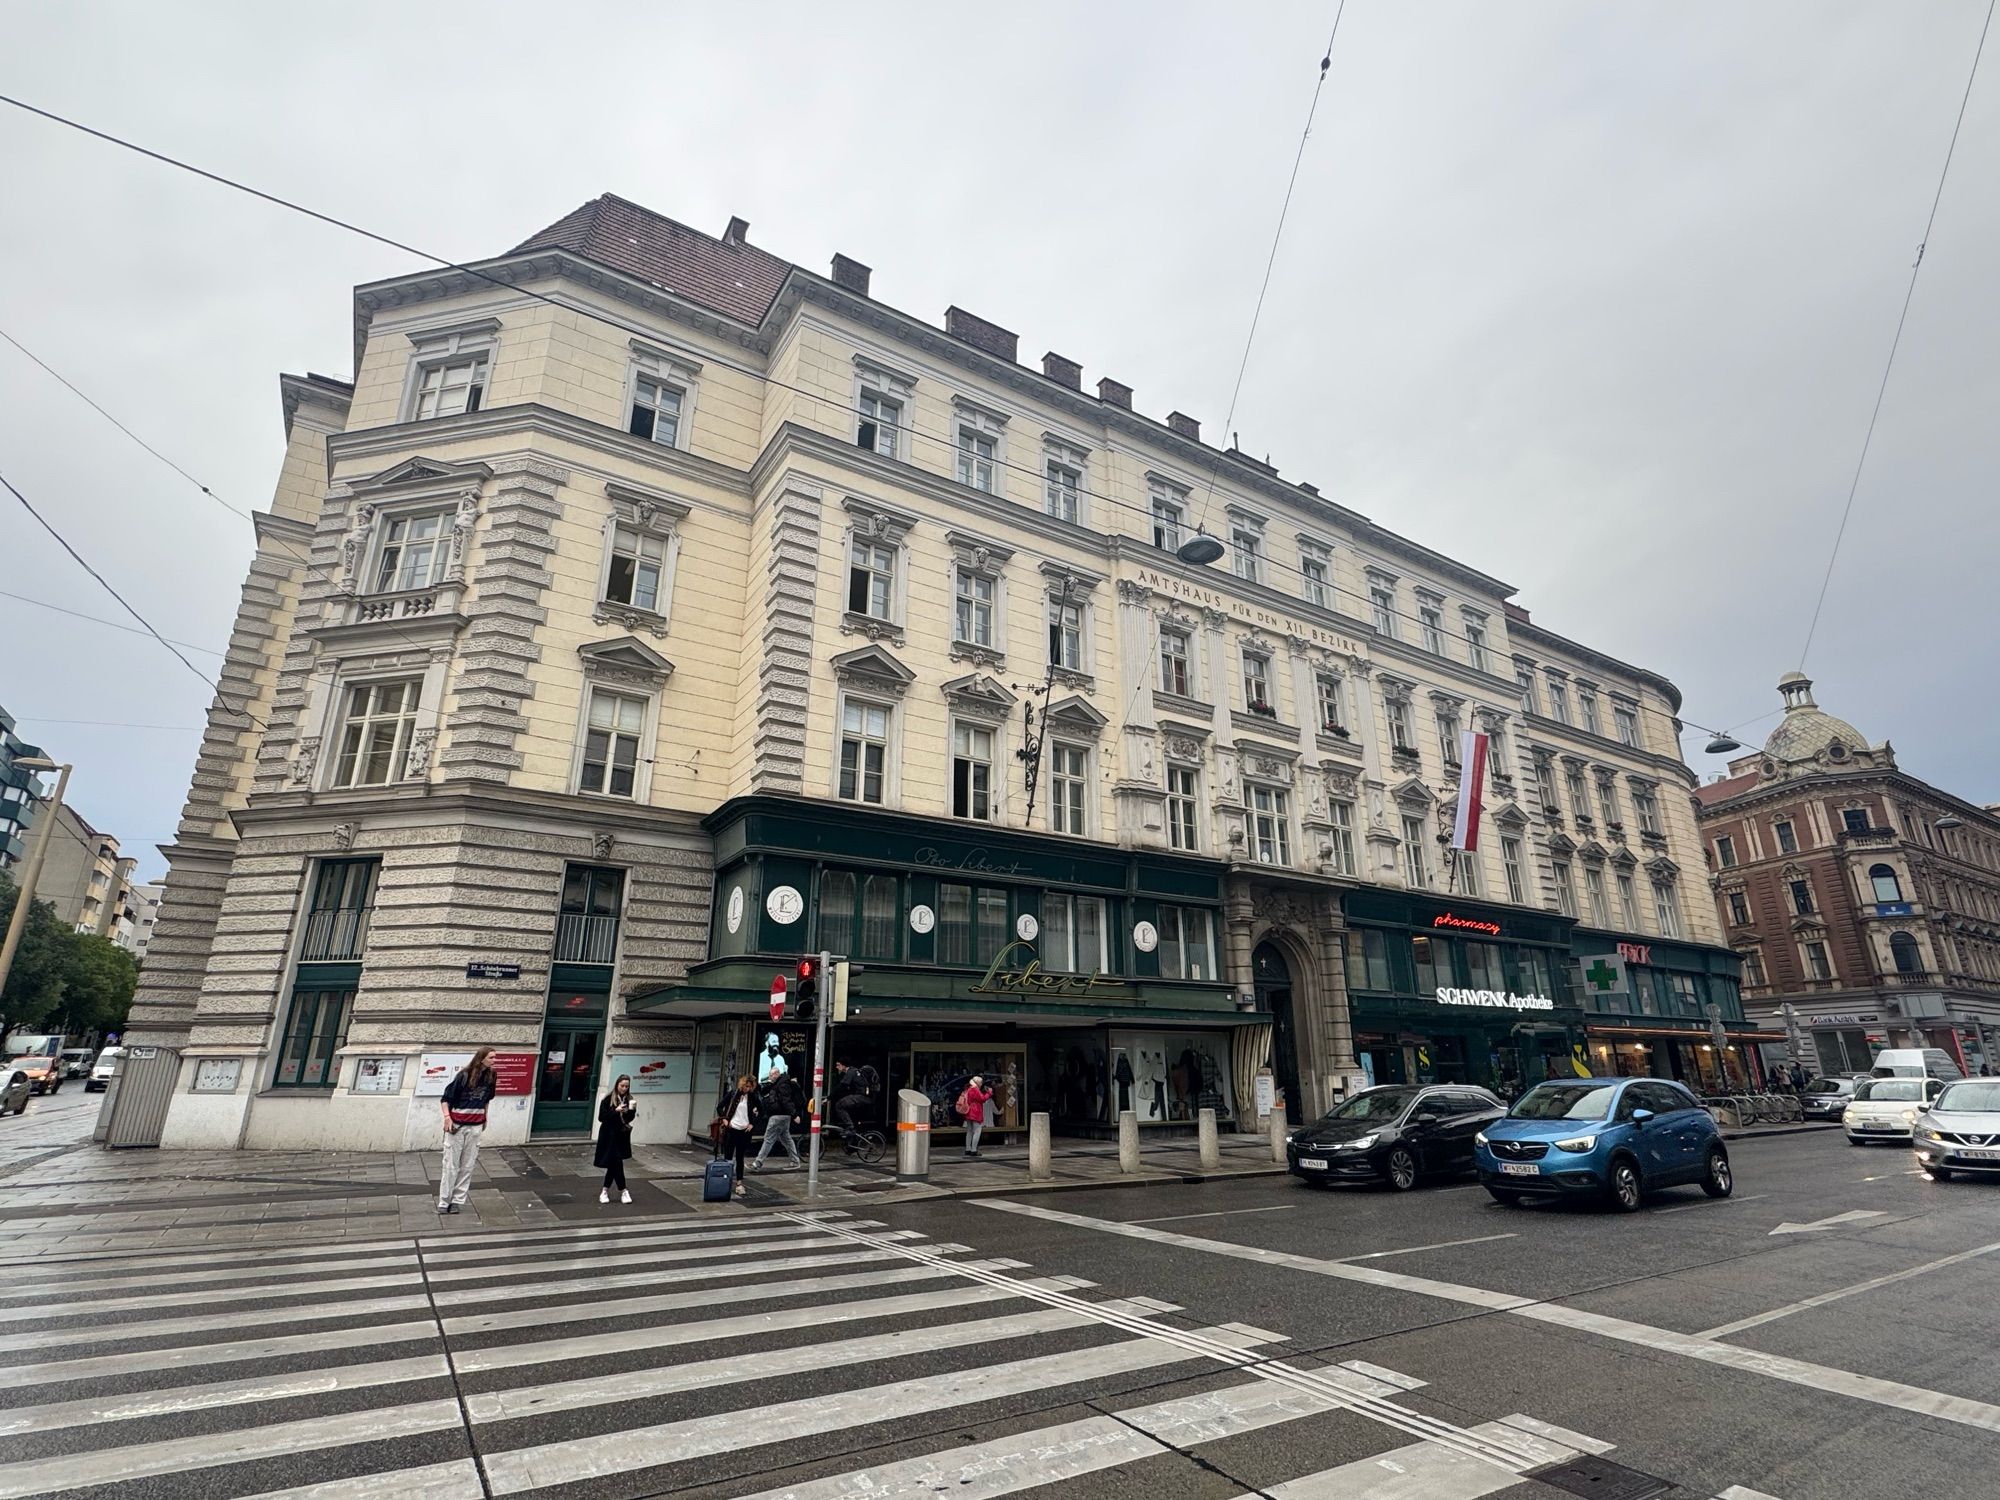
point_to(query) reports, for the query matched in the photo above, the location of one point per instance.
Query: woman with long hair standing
(742, 1112)
(614, 1138)
(464, 1105)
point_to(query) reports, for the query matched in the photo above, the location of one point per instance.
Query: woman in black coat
(614, 1138)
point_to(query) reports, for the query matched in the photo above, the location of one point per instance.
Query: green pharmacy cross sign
(1604, 975)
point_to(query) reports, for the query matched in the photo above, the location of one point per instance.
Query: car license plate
(1521, 1168)
(1876, 1125)
(1972, 1154)
(1311, 1164)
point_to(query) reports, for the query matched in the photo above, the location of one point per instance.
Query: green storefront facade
(1444, 991)
(1080, 979)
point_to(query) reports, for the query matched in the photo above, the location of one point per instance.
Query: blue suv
(1611, 1138)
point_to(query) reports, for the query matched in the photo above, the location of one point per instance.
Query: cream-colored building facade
(632, 534)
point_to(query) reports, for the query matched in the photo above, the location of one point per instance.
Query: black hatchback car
(1396, 1133)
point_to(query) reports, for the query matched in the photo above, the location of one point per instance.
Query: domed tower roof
(1807, 729)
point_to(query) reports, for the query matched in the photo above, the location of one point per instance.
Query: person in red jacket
(972, 1104)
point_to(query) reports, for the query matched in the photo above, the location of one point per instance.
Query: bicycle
(865, 1146)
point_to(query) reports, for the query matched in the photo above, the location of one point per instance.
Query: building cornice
(1520, 631)
(1884, 779)
(1600, 750)
(422, 802)
(536, 420)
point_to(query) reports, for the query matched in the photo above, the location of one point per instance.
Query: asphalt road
(1207, 1342)
(51, 1122)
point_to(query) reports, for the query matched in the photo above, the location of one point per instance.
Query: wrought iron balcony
(336, 935)
(582, 939)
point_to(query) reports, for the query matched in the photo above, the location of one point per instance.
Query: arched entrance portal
(1275, 995)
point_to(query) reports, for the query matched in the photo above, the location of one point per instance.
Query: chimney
(1310, 489)
(738, 232)
(981, 334)
(1111, 393)
(1062, 371)
(850, 274)
(1185, 425)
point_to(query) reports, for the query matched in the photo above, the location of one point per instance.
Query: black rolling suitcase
(717, 1180)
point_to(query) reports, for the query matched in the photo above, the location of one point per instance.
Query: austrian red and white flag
(1471, 789)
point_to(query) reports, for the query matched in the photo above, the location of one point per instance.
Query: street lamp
(1722, 744)
(1201, 549)
(1949, 820)
(33, 868)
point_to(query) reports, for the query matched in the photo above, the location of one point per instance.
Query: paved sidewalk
(76, 1198)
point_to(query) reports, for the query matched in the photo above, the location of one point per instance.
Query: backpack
(964, 1103)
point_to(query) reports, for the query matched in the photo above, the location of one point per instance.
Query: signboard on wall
(655, 1072)
(513, 1072)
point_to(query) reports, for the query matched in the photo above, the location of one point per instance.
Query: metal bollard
(1211, 1149)
(913, 1136)
(1040, 1167)
(1278, 1133)
(1128, 1142)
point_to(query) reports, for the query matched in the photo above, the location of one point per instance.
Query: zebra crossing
(803, 1354)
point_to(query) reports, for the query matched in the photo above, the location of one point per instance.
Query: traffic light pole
(819, 1100)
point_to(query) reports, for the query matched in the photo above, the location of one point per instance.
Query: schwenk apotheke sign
(1493, 999)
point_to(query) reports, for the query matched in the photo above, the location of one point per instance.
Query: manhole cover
(1603, 1480)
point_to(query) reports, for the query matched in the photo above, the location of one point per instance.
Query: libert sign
(1494, 999)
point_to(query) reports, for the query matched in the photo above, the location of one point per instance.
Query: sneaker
(451, 1208)
(444, 1208)
(740, 1191)
(604, 1195)
(623, 1196)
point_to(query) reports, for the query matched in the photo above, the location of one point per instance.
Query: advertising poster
(513, 1072)
(656, 1072)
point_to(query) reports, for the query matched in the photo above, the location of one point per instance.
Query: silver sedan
(1960, 1132)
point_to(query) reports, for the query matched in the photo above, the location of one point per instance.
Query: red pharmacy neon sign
(1471, 924)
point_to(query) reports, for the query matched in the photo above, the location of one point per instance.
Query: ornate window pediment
(1625, 859)
(1076, 716)
(978, 696)
(1561, 843)
(423, 473)
(1413, 793)
(1593, 851)
(651, 511)
(1081, 582)
(978, 554)
(1510, 817)
(1662, 868)
(879, 522)
(625, 661)
(872, 669)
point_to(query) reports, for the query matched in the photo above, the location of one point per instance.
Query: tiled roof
(1721, 791)
(737, 280)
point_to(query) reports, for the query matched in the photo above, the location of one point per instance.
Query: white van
(1916, 1062)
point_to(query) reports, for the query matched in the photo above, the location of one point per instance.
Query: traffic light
(806, 989)
(842, 969)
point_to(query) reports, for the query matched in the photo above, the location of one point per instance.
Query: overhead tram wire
(636, 329)
(1895, 343)
(77, 614)
(1271, 261)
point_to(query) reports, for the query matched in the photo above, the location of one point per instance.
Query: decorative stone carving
(1214, 619)
(1182, 747)
(626, 662)
(1342, 784)
(1225, 766)
(979, 697)
(1175, 619)
(631, 617)
(872, 670)
(1269, 768)
(982, 656)
(343, 835)
(1132, 592)
(352, 548)
(601, 844)
(1315, 796)
(1144, 767)
(1070, 677)
(869, 626)
(417, 762)
(306, 761)
(461, 535)
(1283, 908)
(1298, 645)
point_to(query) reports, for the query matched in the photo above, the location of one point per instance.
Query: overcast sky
(1593, 297)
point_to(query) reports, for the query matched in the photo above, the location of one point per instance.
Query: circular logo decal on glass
(736, 908)
(922, 919)
(785, 905)
(1025, 927)
(1145, 937)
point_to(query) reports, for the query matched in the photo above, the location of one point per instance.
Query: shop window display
(1073, 1073)
(1168, 1077)
(940, 1071)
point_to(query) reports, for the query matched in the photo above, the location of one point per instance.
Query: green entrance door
(566, 1091)
(572, 1051)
